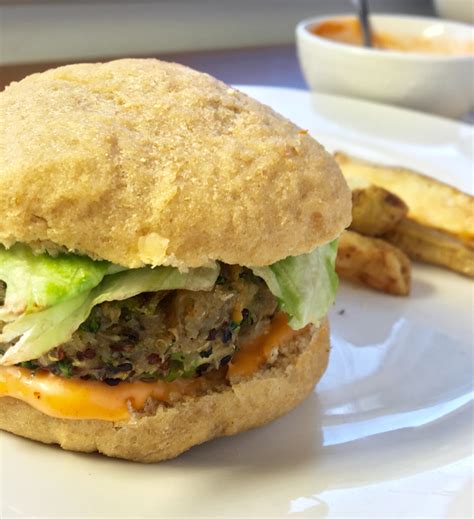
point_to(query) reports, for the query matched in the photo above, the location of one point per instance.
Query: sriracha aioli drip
(87, 399)
(254, 354)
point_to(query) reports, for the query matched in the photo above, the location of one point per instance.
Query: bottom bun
(171, 430)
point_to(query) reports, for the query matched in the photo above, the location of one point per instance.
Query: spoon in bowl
(363, 13)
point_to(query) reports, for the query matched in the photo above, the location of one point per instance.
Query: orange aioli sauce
(348, 31)
(87, 400)
(253, 355)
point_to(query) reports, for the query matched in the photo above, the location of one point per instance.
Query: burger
(167, 249)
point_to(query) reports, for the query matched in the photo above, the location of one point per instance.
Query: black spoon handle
(363, 12)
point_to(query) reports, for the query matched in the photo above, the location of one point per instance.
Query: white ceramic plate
(388, 432)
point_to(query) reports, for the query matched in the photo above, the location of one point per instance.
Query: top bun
(145, 162)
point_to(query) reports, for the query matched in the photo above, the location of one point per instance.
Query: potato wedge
(375, 210)
(431, 246)
(431, 203)
(374, 263)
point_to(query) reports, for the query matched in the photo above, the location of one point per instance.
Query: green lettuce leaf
(39, 332)
(47, 298)
(305, 285)
(37, 282)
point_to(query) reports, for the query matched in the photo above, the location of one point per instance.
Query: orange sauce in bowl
(348, 31)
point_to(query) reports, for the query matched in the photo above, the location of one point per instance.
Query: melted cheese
(88, 400)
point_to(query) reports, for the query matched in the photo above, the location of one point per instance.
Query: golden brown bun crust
(249, 403)
(147, 162)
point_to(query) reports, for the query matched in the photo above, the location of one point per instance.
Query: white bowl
(440, 84)
(461, 10)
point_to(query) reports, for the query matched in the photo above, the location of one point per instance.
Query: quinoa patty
(165, 335)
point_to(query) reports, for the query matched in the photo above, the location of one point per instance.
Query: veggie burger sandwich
(167, 249)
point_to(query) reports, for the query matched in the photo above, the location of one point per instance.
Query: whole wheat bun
(244, 404)
(146, 162)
